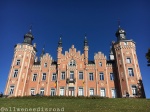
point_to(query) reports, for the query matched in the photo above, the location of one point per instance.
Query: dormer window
(72, 63)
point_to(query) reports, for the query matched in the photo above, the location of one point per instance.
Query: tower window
(134, 90)
(81, 75)
(128, 60)
(91, 77)
(45, 64)
(15, 73)
(34, 77)
(44, 76)
(54, 76)
(72, 63)
(18, 62)
(130, 72)
(11, 91)
(62, 75)
(125, 43)
(100, 64)
(101, 75)
(111, 76)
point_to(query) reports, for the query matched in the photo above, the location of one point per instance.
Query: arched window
(72, 63)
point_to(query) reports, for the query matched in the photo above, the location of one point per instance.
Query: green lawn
(74, 105)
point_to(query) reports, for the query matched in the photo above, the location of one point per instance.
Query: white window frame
(113, 93)
(91, 76)
(91, 92)
(81, 75)
(112, 77)
(80, 91)
(44, 77)
(15, 73)
(32, 91)
(72, 63)
(102, 92)
(130, 72)
(53, 91)
(71, 74)
(134, 90)
(63, 76)
(18, 62)
(42, 91)
(101, 76)
(128, 60)
(54, 77)
(100, 64)
(11, 90)
(62, 91)
(45, 64)
(34, 77)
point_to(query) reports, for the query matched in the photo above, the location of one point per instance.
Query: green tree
(148, 57)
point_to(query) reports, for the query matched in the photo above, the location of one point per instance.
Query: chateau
(72, 74)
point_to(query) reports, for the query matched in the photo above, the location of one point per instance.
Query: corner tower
(128, 71)
(24, 55)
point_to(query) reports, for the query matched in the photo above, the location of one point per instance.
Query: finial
(118, 23)
(85, 35)
(43, 51)
(30, 28)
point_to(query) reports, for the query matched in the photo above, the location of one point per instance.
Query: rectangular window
(71, 74)
(32, 91)
(91, 77)
(53, 92)
(81, 75)
(34, 77)
(101, 75)
(62, 91)
(113, 93)
(100, 64)
(103, 93)
(18, 62)
(45, 64)
(15, 73)
(44, 76)
(130, 72)
(111, 76)
(62, 75)
(80, 92)
(42, 91)
(54, 76)
(91, 92)
(134, 90)
(11, 90)
(128, 60)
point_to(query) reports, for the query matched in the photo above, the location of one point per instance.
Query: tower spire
(118, 23)
(85, 40)
(60, 41)
(43, 51)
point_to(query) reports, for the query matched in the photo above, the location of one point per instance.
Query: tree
(148, 57)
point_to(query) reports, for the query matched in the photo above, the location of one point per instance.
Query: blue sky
(72, 19)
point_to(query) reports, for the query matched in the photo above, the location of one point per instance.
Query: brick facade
(73, 74)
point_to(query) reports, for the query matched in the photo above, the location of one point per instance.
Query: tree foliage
(148, 57)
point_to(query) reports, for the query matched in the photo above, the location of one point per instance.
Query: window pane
(80, 75)
(101, 76)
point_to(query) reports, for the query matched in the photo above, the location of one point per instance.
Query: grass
(74, 104)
